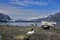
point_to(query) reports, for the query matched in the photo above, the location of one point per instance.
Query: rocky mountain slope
(4, 17)
(55, 17)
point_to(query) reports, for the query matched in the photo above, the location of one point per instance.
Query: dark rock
(4, 17)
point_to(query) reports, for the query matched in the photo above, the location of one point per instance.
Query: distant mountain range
(55, 17)
(4, 17)
(39, 17)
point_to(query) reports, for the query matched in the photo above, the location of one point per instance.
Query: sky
(29, 9)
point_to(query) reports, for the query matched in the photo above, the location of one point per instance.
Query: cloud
(29, 2)
(41, 3)
(16, 13)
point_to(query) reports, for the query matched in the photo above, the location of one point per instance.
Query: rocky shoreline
(8, 32)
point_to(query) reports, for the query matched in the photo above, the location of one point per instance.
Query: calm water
(21, 23)
(27, 24)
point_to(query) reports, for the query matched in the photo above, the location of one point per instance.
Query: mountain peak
(4, 17)
(57, 14)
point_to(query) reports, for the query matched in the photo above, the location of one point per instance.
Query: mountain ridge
(55, 17)
(4, 17)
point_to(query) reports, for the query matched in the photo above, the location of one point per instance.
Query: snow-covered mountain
(35, 18)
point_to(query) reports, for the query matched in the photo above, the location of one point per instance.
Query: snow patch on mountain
(39, 17)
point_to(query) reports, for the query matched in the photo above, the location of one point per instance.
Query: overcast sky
(24, 9)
